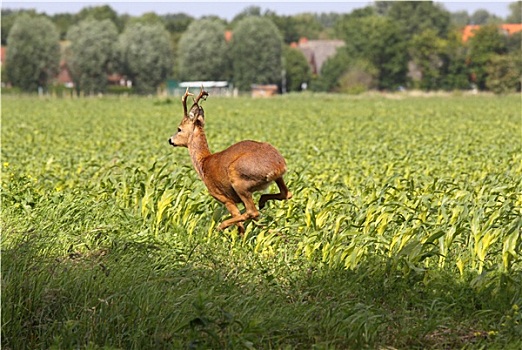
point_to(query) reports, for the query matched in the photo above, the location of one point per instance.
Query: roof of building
(509, 29)
(318, 51)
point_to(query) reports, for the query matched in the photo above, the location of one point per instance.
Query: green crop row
(424, 182)
(406, 186)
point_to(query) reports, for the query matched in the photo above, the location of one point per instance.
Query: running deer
(232, 175)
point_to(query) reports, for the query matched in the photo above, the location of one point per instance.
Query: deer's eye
(179, 129)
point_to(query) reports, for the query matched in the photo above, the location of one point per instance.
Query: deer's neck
(198, 150)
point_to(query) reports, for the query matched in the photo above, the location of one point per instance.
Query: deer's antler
(184, 102)
(203, 94)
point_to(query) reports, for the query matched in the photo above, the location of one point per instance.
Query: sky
(228, 10)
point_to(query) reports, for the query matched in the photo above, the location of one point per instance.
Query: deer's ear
(193, 113)
(200, 120)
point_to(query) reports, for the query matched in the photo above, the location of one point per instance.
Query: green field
(404, 231)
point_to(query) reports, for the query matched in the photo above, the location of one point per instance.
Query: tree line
(388, 45)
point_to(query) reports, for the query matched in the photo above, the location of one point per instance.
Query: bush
(119, 90)
(360, 77)
(504, 72)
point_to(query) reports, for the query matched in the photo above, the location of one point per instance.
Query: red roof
(228, 36)
(509, 29)
(2, 55)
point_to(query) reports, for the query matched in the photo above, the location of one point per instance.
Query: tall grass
(404, 230)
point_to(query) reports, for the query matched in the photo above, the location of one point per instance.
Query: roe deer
(232, 175)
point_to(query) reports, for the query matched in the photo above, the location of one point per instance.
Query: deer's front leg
(234, 211)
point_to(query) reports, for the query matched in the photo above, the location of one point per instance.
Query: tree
(150, 18)
(256, 52)
(331, 71)
(455, 71)
(414, 17)
(296, 68)
(92, 53)
(459, 19)
(516, 12)
(482, 17)
(487, 42)
(513, 42)
(177, 23)
(63, 21)
(377, 40)
(427, 50)
(382, 7)
(8, 19)
(100, 13)
(145, 55)
(203, 52)
(504, 72)
(249, 11)
(307, 26)
(33, 54)
(327, 20)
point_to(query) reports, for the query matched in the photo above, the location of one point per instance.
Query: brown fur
(234, 174)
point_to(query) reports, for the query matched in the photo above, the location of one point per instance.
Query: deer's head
(192, 120)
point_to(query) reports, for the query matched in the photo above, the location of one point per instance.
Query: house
(214, 88)
(228, 36)
(2, 56)
(263, 90)
(317, 51)
(64, 76)
(506, 29)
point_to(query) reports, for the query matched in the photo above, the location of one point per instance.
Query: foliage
(256, 52)
(359, 77)
(403, 232)
(203, 52)
(504, 73)
(487, 42)
(426, 50)
(148, 18)
(100, 13)
(378, 40)
(307, 25)
(389, 26)
(514, 42)
(286, 26)
(515, 15)
(414, 17)
(8, 19)
(455, 70)
(92, 54)
(331, 72)
(249, 11)
(177, 23)
(296, 68)
(34, 53)
(63, 22)
(483, 17)
(459, 19)
(146, 55)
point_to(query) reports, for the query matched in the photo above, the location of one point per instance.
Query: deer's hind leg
(234, 211)
(283, 194)
(243, 190)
